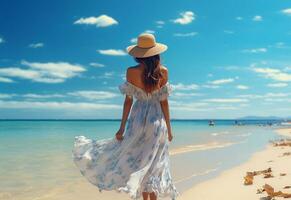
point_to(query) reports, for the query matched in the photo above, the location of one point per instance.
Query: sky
(65, 59)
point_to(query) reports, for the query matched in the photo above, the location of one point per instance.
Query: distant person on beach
(136, 160)
(211, 123)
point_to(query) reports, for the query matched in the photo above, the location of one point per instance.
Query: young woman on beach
(136, 160)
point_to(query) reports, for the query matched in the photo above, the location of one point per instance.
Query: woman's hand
(170, 136)
(119, 134)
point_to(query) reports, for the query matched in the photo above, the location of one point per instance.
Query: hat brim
(138, 52)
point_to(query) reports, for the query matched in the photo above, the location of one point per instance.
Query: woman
(136, 160)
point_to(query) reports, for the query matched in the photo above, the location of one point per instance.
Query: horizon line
(176, 119)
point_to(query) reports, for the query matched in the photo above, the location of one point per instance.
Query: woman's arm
(165, 109)
(126, 109)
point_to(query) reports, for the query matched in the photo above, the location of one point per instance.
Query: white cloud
(275, 97)
(274, 74)
(257, 18)
(211, 86)
(149, 31)
(42, 96)
(181, 86)
(44, 72)
(184, 94)
(242, 87)
(250, 96)
(221, 81)
(270, 94)
(239, 18)
(277, 85)
(107, 75)
(257, 50)
(36, 45)
(19, 73)
(226, 108)
(94, 95)
(160, 22)
(113, 52)
(276, 100)
(56, 105)
(87, 94)
(6, 80)
(263, 96)
(286, 11)
(123, 76)
(204, 106)
(62, 70)
(191, 34)
(280, 45)
(101, 21)
(229, 100)
(186, 18)
(95, 64)
(133, 40)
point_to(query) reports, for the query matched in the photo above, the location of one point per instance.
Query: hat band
(147, 47)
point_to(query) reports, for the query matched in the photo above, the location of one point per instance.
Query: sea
(35, 155)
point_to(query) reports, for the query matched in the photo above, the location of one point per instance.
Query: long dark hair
(152, 73)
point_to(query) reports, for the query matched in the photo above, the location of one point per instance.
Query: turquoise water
(36, 155)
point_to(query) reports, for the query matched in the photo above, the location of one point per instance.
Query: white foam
(200, 147)
(220, 133)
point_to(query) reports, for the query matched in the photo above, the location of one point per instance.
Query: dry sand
(284, 132)
(230, 184)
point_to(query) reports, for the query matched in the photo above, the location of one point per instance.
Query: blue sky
(65, 59)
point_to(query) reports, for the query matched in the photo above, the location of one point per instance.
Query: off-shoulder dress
(138, 163)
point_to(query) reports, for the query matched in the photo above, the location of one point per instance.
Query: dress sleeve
(165, 91)
(126, 88)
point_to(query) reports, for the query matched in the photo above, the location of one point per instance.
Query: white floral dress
(140, 162)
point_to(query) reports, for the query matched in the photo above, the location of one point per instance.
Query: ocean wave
(228, 133)
(220, 133)
(244, 135)
(200, 147)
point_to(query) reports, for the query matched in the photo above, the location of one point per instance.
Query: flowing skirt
(139, 163)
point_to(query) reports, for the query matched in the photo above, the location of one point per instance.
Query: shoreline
(70, 185)
(229, 184)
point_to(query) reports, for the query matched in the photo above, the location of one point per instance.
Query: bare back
(134, 75)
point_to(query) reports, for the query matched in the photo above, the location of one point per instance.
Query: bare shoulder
(131, 69)
(164, 71)
(131, 72)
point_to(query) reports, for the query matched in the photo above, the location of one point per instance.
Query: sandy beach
(229, 185)
(51, 175)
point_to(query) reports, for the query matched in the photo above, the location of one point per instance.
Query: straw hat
(146, 46)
